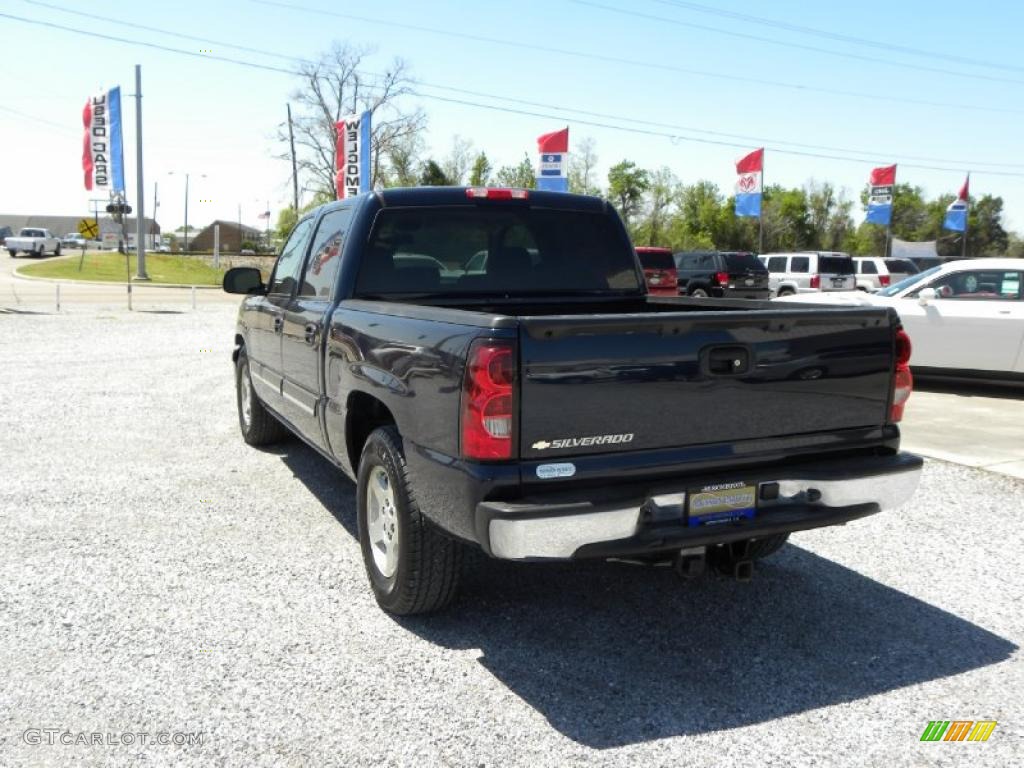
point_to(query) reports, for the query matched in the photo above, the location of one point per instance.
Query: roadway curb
(147, 284)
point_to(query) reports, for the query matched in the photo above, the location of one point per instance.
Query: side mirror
(926, 295)
(244, 280)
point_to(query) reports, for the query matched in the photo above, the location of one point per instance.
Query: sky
(832, 89)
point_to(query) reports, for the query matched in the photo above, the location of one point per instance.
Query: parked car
(874, 272)
(34, 241)
(927, 262)
(5, 232)
(810, 272)
(548, 408)
(726, 274)
(659, 270)
(966, 317)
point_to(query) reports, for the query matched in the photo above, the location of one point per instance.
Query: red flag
(965, 189)
(558, 141)
(752, 163)
(883, 177)
(86, 146)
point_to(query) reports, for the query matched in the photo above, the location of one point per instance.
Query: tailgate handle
(727, 361)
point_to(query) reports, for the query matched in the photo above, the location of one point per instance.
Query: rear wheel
(56, 251)
(786, 291)
(699, 293)
(412, 566)
(13, 254)
(258, 426)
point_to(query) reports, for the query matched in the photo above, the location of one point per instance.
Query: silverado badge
(583, 442)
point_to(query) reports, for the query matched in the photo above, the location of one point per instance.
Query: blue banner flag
(956, 213)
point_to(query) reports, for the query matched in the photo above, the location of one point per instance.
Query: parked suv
(728, 274)
(810, 271)
(659, 270)
(5, 232)
(875, 273)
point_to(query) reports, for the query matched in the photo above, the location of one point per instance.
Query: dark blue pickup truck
(487, 367)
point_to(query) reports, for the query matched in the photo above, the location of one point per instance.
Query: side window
(707, 261)
(325, 255)
(868, 268)
(978, 284)
(777, 264)
(688, 262)
(800, 264)
(286, 271)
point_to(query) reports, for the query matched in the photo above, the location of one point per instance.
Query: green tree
(287, 218)
(521, 175)
(480, 174)
(626, 187)
(661, 199)
(403, 158)
(433, 176)
(456, 166)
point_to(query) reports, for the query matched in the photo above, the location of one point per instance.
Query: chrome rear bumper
(535, 530)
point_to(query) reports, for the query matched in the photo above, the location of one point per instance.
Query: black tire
(56, 251)
(769, 545)
(13, 254)
(427, 565)
(786, 292)
(261, 428)
(699, 293)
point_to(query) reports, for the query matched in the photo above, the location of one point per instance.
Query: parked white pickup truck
(34, 241)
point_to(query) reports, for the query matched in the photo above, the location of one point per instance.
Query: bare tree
(458, 163)
(335, 86)
(583, 168)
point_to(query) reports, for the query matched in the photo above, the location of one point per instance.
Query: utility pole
(186, 214)
(156, 204)
(295, 171)
(140, 215)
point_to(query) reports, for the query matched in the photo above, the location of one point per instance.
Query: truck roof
(412, 196)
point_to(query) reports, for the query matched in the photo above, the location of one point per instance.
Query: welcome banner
(352, 155)
(103, 143)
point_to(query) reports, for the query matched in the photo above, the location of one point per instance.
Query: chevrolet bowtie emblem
(540, 445)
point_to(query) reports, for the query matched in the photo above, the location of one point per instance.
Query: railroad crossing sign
(88, 229)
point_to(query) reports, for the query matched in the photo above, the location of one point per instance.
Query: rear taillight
(722, 278)
(672, 277)
(883, 280)
(496, 193)
(488, 400)
(815, 281)
(903, 381)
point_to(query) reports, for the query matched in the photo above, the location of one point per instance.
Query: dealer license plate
(721, 503)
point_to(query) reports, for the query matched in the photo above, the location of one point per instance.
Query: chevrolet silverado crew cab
(538, 404)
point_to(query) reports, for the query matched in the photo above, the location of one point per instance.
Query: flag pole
(760, 213)
(967, 217)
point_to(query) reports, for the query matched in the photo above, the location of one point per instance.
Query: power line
(653, 65)
(144, 44)
(746, 137)
(58, 126)
(670, 136)
(775, 146)
(830, 35)
(160, 30)
(797, 46)
(699, 73)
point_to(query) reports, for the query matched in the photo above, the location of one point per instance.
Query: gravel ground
(156, 575)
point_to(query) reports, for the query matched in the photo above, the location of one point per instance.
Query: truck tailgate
(609, 383)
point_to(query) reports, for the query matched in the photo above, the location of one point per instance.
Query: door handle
(278, 323)
(312, 332)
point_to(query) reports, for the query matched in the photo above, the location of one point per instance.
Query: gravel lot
(156, 575)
